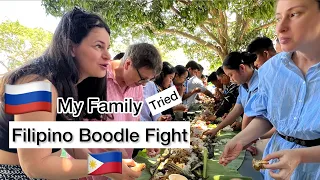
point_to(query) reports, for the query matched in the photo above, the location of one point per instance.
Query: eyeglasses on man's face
(143, 80)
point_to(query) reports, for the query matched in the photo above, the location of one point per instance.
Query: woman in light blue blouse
(239, 67)
(288, 98)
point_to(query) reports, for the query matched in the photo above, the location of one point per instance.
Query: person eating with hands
(287, 98)
(239, 68)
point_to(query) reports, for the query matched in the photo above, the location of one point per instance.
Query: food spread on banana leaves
(190, 162)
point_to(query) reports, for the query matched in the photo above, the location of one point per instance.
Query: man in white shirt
(194, 84)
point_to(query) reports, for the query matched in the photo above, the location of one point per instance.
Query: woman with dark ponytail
(239, 67)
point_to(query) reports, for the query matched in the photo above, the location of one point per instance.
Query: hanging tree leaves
(207, 29)
(19, 44)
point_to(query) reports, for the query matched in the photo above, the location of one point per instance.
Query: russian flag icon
(29, 97)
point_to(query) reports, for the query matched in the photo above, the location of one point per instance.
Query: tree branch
(221, 24)
(238, 20)
(213, 12)
(224, 25)
(265, 26)
(203, 27)
(185, 2)
(194, 38)
(176, 11)
(239, 25)
(244, 28)
(2, 63)
(223, 31)
(198, 40)
(211, 21)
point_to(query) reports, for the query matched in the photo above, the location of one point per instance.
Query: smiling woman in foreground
(79, 50)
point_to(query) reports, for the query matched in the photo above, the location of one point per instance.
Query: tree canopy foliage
(19, 44)
(205, 29)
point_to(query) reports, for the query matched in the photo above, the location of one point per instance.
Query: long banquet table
(215, 171)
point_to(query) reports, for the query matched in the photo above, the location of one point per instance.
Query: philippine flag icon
(29, 97)
(105, 163)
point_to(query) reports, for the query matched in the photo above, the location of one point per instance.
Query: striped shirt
(116, 93)
(245, 93)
